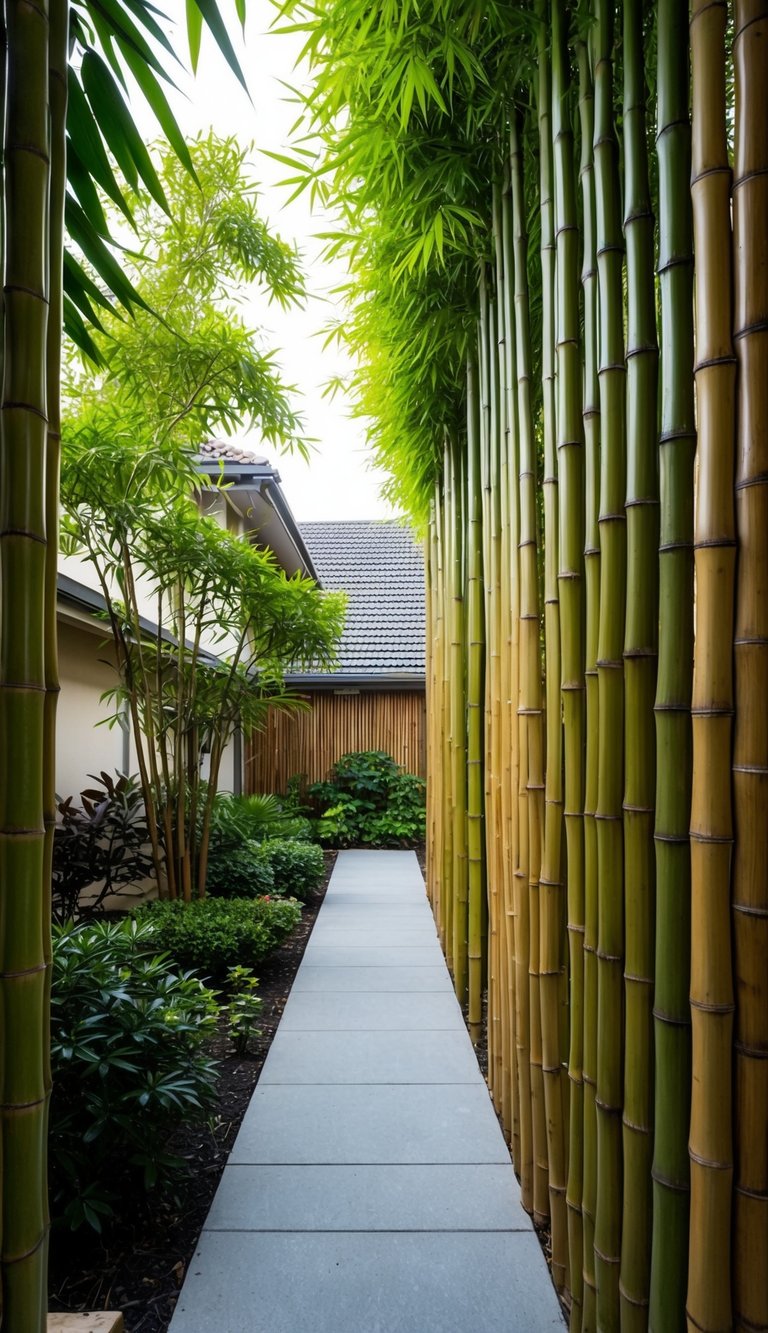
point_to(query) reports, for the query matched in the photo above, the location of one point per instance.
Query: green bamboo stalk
(506, 592)
(531, 702)
(551, 833)
(435, 716)
(513, 601)
(709, 1303)
(566, 1228)
(458, 731)
(475, 698)
(640, 657)
(610, 676)
(591, 418)
(24, 898)
(448, 886)
(496, 847)
(750, 747)
(669, 1248)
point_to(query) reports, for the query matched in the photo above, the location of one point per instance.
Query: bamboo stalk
(669, 1248)
(570, 468)
(640, 658)
(513, 538)
(610, 676)
(24, 897)
(458, 731)
(711, 1131)
(448, 887)
(547, 774)
(591, 417)
(750, 750)
(497, 985)
(475, 698)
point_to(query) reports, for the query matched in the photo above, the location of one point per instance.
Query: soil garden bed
(137, 1266)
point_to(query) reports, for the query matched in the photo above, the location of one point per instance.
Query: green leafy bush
(127, 1031)
(243, 871)
(238, 819)
(216, 934)
(369, 800)
(244, 1007)
(297, 867)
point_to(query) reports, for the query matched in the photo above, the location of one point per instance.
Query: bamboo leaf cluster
(524, 194)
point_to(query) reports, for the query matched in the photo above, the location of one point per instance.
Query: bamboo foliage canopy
(582, 438)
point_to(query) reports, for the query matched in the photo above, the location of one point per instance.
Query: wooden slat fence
(336, 724)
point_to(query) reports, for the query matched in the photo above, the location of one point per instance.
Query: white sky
(339, 481)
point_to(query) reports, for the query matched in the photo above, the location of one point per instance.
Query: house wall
(335, 724)
(86, 670)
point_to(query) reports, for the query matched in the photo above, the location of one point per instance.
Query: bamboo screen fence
(334, 724)
(598, 731)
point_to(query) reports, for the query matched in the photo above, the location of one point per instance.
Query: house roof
(253, 487)
(380, 566)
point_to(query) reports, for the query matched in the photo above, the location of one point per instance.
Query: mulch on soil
(137, 1266)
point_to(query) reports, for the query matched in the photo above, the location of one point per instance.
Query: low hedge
(297, 867)
(215, 934)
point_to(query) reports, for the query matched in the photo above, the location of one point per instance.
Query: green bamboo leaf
(194, 32)
(210, 12)
(116, 124)
(84, 235)
(122, 27)
(159, 103)
(75, 276)
(84, 132)
(75, 329)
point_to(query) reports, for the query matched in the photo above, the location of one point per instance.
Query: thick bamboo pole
(640, 657)
(512, 459)
(750, 749)
(475, 697)
(506, 593)
(531, 695)
(570, 467)
(591, 416)
(549, 772)
(497, 975)
(610, 675)
(669, 1247)
(711, 1132)
(448, 886)
(24, 901)
(458, 728)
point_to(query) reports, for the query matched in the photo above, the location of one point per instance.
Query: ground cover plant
(215, 934)
(128, 1060)
(369, 800)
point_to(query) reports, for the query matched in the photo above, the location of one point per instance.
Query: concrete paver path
(369, 1189)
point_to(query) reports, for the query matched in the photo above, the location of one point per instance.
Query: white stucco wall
(83, 747)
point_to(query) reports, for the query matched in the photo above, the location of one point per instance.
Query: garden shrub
(239, 872)
(216, 934)
(105, 838)
(127, 1033)
(238, 819)
(369, 800)
(298, 867)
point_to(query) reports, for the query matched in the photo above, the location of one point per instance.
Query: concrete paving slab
(368, 1198)
(313, 979)
(394, 1012)
(387, 937)
(370, 1057)
(370, 1189)
(460, 1282)
(349, 955)
(370, 1123)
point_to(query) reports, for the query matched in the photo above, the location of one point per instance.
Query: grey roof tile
(380, 566)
